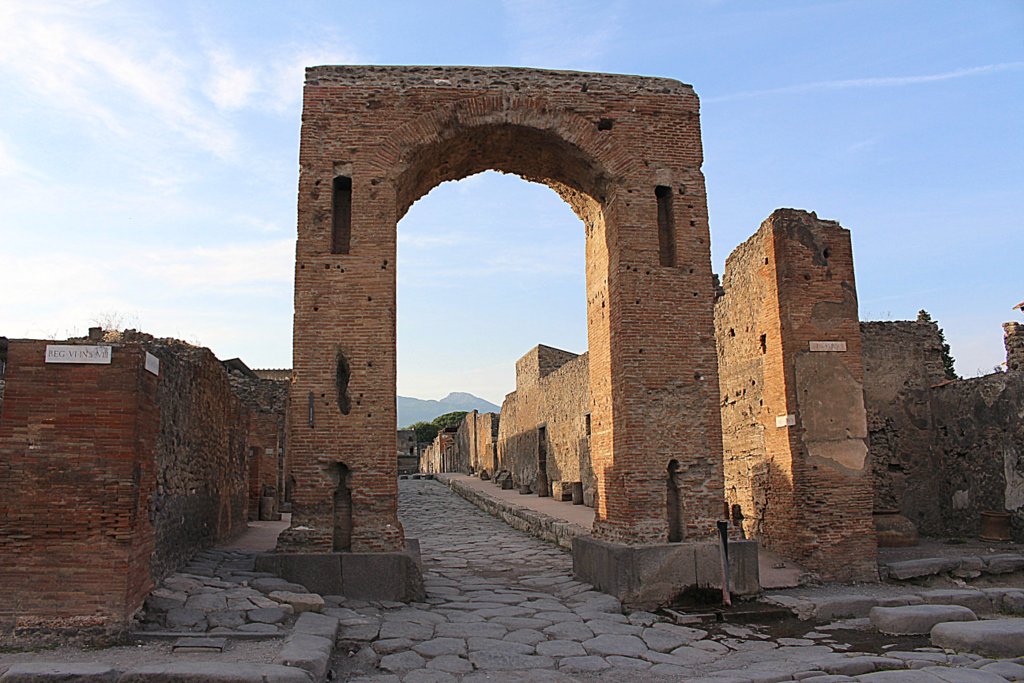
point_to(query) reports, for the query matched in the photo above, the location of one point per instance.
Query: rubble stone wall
(560, 402)
(796, 461)
(111, 477)
(902, 361)
(476, 442)
(942, 452)
(1013, 338)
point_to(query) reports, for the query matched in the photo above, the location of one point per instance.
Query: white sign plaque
(785, 421)
(152, 363)
(74, 353)
(828, 346)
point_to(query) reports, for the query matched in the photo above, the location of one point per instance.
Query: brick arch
(625, 153)
(523, 135)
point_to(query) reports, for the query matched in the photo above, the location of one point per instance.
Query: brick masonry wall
(605, 143)
(902, 361)
(559, 400)
(112, 477)
(806, 484)
(267, 402)
(1013, 339)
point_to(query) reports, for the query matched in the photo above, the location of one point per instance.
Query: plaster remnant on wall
(1013, 468)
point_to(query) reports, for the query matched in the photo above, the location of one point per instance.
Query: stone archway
(625, 153)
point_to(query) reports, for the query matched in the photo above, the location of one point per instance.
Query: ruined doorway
(542, 484)
(624, 153)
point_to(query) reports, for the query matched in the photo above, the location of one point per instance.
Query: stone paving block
(300, 602)
(527, 636)
(1000, 638)
(495, 645)
(266, 615)
(471, 630)
(436, 647)
(451, 664)
(184, 617)
(916, 619)
(213, 672)
(402, 661)
(389, 645)
(428, 676)
(199, 645)
(561, 648)
(60, 672)
(502, 661)
(586, 663)
(963, 675)
(309, 652)
(1011, 671)
(605, 626)
(570, 630)
(268, 629)
(317, 625)
(907, 676)
(227, 618)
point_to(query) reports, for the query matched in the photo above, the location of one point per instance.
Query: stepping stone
(843, 606)
(199, 645)
(916, 619)
(998, 638)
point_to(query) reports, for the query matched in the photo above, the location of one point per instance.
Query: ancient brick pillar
(795, 427)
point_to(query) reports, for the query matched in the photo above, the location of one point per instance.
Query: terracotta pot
(893, 530)
(995, 526)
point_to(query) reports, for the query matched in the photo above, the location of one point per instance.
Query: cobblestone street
(502, 606)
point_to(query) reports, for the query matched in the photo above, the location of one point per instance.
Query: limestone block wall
(112, 476)
(558, 401)
(789, 339)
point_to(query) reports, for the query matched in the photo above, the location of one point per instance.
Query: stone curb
(970, 567)
(171, 672)
(537, 524)
(854, 605)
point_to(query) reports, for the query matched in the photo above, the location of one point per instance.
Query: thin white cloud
(229, 85)
(877, 82)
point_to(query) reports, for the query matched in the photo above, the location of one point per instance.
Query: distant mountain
(412, 410)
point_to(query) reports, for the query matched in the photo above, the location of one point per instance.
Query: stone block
(648, 576)
(317, 625)
(996, 638)
(916, 619)
(1004, 563)
(309, 652)
(973, 599)
(912, 569)
(59, 672)
(213, 672)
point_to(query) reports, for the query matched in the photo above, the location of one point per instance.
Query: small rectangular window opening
(341, 207)
(588, 423)
(666, 223)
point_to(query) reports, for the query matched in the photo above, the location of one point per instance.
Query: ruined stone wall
(112, 476)
(559, 401)
(408, 451)
(267, 401)
(796, 461)
(941, 452)
(902, 361)
(980, 435)
(1013, 339)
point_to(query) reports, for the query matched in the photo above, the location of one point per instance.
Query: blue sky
(148, 163)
